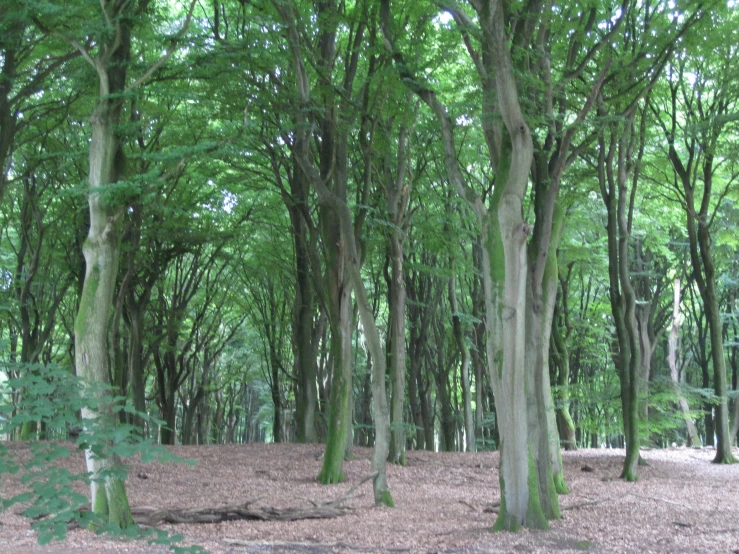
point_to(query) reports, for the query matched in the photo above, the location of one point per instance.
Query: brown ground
(682, 503)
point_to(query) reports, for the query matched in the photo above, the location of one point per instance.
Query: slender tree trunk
(469, 424)
(396, 342)
(136, 363)
(713, 316)
(306, 399)
(702, 260)
(561, 358)
(397, 191)
(672, 363)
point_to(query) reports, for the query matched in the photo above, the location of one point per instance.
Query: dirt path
(682, 503)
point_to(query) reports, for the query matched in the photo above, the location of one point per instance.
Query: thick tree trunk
(543, 436)
(339, 409)
(504, 253)
(101, 251)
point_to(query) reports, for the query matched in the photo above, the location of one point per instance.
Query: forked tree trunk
(699, 237)
(622, 297)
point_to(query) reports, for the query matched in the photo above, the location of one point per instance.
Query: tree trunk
(672, 363)
(396, 342)
(397, 192)
(101, 251)
(702, 261)
(306, 398)
(543, 438)
(713, 316)
(136, 363)
(621, 293)
(561, 358)
(469, 424)
(504, 260)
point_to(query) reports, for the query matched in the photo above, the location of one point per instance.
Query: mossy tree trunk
(101, 248)
(330, 181)
(504, 260)
(380, 407)
(101, 251)
(544, 439)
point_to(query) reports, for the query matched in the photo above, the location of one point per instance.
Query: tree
(694, 119)
(102, 246)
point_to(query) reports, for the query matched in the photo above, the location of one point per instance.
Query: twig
(168, 54)
(657, 499)
(470, 506)
(350, 493)
(602, 500)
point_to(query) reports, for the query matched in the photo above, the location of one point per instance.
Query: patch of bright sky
(443, 18)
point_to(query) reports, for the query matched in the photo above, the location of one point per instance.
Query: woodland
(390, 226)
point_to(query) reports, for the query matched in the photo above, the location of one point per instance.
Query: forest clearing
(490, 245)
(444, 503)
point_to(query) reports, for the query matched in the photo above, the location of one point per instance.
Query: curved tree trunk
(561, 358)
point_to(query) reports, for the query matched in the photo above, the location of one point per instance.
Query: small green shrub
(50, 398)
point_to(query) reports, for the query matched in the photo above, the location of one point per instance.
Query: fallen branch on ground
(614, 498)
(149, 516)
(317, 546)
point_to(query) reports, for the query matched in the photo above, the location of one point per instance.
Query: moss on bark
(386, 499)
(119, 511)
(535, 518)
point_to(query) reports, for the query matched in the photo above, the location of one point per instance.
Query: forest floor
(682, 503)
